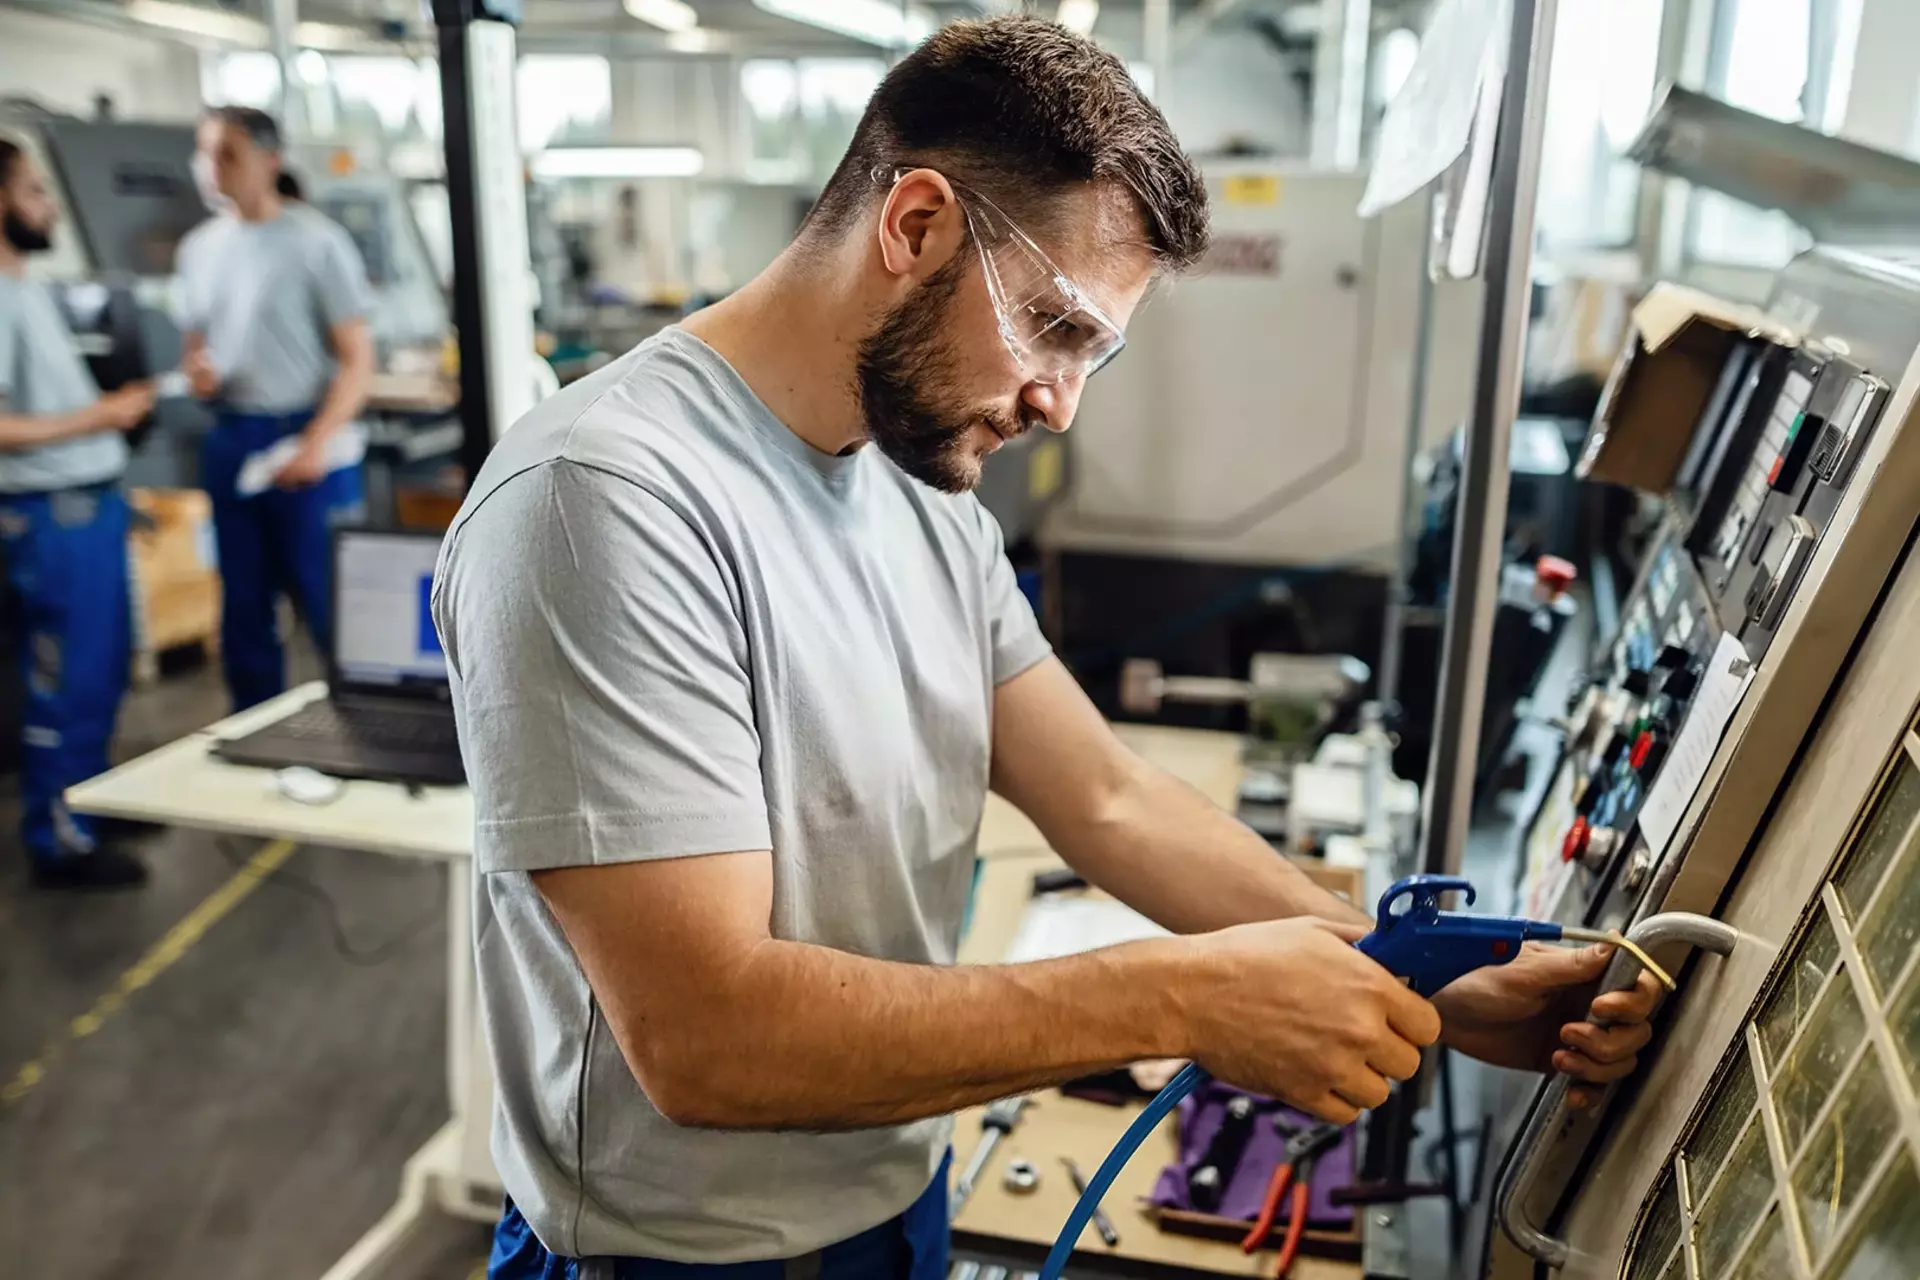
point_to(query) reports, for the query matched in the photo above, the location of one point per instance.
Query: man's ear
(921, 225)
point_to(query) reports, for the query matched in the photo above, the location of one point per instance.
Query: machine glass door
(1802, 1158)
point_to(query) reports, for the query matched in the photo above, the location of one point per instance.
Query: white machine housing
(1260, 413)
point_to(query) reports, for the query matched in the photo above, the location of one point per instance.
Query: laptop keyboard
(391, 728)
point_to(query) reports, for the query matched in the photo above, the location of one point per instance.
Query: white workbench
(182, 785)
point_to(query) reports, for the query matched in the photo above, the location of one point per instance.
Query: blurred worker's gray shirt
(42, 373)
(675, 628)
(265, 294)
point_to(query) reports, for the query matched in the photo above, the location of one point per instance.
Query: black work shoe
(126, 830)
(105, 868)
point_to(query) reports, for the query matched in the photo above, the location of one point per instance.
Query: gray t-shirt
(42, 373)
(265, 295)
(674, 628)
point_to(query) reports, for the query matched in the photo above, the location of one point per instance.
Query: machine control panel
(1777, 444)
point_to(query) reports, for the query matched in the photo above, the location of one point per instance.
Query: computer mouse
(307, 786)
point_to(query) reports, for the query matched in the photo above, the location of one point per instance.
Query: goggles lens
(1052, 328)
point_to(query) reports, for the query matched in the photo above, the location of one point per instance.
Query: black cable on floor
(364, 957)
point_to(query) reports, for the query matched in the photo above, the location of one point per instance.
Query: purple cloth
(1200, 1115)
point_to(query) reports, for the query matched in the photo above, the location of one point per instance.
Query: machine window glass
(1848, 1143)
(1722, 1222)
(1885, 832)
(1732, 1103)
(1660, 1233)
(1906, 1029)
(1769, 1257)
(1893, 923)
(1819, 1057)
(1786, 1012)
(1887, 1243)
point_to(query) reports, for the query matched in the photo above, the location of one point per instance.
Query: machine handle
(1549, 1117)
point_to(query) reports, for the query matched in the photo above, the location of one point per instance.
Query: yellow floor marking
(160, 957)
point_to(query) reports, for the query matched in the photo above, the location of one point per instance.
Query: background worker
(273, 301)
(63, 534)
(736, 657)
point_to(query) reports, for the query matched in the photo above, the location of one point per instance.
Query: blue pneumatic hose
(1190, 1078)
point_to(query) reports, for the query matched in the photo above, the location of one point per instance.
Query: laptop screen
(383, 626)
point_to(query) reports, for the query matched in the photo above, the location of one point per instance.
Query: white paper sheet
(1427, 125)
(1725, 683)
(1057, 925)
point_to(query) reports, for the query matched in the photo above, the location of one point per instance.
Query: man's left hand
(308, 466)
(1538, 1013)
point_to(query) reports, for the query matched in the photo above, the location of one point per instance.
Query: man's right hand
(1292, 1010)
(125, 409)
(202, 377)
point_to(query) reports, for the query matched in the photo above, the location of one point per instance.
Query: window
(1790, 60)
(564, 98)
(801, 113)
(245, 78)
(1599, 92)
(1803, 1158)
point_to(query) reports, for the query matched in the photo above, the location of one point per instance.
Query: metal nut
(1021, 1177)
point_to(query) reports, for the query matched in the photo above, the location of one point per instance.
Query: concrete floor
(246, 1113)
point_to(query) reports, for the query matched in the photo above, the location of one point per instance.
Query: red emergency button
(1575, 843)
(1641, 746)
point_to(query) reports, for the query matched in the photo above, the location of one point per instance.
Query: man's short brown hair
(1024, 110)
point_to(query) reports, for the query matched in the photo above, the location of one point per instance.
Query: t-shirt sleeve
(1012, 629)
(602, 691)
(9, 351)
(189, 293)
(342, 284)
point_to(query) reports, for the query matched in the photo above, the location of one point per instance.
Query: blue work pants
(275, 543)
(66, 570)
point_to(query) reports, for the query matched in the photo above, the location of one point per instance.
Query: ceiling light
(668, 15)
(618, 162)
(211, 23)
(1078, 15)
(871, 20)
(696, 40)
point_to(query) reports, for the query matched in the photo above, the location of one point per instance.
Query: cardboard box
(176, 582)
(1662, 381)
(178, 545)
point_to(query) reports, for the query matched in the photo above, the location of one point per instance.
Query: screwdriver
(1101, 1222)
(994, 1125)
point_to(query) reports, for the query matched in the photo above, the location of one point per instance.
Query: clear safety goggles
(1052, 328)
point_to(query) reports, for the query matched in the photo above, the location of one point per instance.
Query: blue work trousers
(66, 569)
(912, 1246)
(275, 543)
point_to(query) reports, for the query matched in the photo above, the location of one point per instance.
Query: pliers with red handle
(1303, 1150)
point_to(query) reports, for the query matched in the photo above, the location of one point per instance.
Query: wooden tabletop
(411, 393)
(183, 785)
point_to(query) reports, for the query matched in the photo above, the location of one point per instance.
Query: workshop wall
(63, 65)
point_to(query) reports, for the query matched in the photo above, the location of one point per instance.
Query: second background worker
(273, 304)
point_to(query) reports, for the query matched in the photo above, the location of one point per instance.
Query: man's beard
(908, 389)
(24, 237)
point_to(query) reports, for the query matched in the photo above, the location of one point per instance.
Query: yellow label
(1043, 470)
(1253, 188)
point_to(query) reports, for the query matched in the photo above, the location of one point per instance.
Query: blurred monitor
(129, 189)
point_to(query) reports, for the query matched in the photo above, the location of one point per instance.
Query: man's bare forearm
(29, 431)
(1173, 855)
(346, 397)
(806, 1037)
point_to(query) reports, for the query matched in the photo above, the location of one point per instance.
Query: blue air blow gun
(1413, 939)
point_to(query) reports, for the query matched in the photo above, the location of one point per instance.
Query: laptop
(388, 714)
